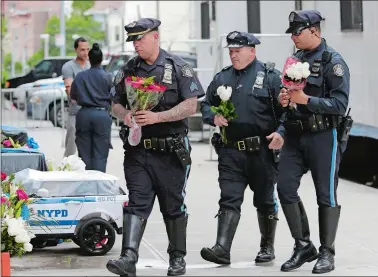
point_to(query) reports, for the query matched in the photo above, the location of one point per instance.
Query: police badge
(167, 78)
(259, 80)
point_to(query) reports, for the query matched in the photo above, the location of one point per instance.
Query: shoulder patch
(118, 78)
(187, 71)
(338, 70)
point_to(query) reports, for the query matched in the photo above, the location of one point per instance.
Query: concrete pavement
(356, 243)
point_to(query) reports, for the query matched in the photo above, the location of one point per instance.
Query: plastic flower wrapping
(14, 214)
(70, 163)
(295, 74)
(143, 94)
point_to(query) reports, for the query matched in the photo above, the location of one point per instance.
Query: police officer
(312, 141)
(91, 90)
(160, 164)
(247, 156)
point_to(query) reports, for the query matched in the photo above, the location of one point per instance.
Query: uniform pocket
(259, 100)
(171, 96)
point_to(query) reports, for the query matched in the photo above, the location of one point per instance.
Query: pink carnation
(21, 194)
(7, 143)
(3, 176)
(3, 200)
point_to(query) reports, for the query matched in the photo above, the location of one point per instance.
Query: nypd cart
(86, 207)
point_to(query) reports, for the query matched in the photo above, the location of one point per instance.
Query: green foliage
(3, 27)
(227, 110)
(77, 24)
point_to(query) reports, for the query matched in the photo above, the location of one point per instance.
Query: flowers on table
(70, 163)
(226, 108)
(8, 142)
(14, 213)
(143, 94)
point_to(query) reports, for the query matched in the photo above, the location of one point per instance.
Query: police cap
(302, 20)
(137, 29)
(240, 39)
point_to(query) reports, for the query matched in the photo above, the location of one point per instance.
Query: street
(356, 242)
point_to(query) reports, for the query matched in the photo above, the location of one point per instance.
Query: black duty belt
(164, 144)
(314, 123)
(250, 144)
(95, 107)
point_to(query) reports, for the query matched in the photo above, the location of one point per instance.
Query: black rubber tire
(111, 236)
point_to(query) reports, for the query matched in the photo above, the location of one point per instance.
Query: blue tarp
(362, 130)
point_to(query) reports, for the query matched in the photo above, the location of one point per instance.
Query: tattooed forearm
(183, 110)
(119, 111)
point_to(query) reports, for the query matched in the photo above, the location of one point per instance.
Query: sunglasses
(299, 31)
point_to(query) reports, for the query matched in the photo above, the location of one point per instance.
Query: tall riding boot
(176, 231)
(268, 225)
(328, 223)
(304, 249)
(133, 229)
(220, 253)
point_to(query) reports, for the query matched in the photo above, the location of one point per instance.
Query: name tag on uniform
(167, 78)
(259, 79)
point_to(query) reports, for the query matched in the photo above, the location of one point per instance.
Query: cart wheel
(96, 237)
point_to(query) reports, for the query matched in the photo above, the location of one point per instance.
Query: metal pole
(46, 47)
(13, 56)
(158, 16)
(24, 49)
(62, 30)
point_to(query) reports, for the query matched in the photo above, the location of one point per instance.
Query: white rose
(297, 75)
(306, 73)
(224, 93)
(15, 227)
(24, 238)
(28, 247)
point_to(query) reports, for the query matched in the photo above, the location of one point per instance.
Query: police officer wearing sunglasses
(316, 136)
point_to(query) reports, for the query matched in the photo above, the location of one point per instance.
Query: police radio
(345, 127)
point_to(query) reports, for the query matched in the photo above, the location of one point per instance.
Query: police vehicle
(86, 207)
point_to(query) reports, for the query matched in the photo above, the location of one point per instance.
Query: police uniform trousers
(93, 131)
(237, 170)
(151, 173)
(320, 153)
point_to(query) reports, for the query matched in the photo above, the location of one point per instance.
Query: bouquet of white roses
(70, 163)
(295, 74)
(226, 108)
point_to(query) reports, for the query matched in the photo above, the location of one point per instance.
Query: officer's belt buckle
(241, 145)
(147, 143)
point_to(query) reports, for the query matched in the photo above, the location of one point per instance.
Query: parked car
(45, 69)
(86, 207)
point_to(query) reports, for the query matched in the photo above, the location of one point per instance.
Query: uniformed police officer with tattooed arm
(160, 164)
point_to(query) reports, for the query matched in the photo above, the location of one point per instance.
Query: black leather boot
(220, 253)
(328, 223)
(133, 229)
(268, 225)
(176, 230)
(304, 249)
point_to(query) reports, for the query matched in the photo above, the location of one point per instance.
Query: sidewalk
(356, 243)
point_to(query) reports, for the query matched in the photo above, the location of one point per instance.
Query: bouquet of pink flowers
(143, 94)
(295, 74)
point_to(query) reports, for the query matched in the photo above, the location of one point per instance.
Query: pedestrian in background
(91, 90)
(69, 71)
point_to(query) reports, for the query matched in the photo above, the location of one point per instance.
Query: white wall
(359, 49)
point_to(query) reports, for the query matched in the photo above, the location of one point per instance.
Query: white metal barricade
(34, 107)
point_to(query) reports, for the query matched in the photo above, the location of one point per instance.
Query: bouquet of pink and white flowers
(143, 94)
(14, 214)
(295, 74)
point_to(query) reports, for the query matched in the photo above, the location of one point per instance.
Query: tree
(77, 24)
(3, 26)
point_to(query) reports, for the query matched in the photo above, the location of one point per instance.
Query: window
(205, 20)
(44, 67)
(298, 5)
(351, 15)
(253, 16)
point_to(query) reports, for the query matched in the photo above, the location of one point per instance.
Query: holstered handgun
(344, 128)
(181, 151)
(124, 133)
(216, 141)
